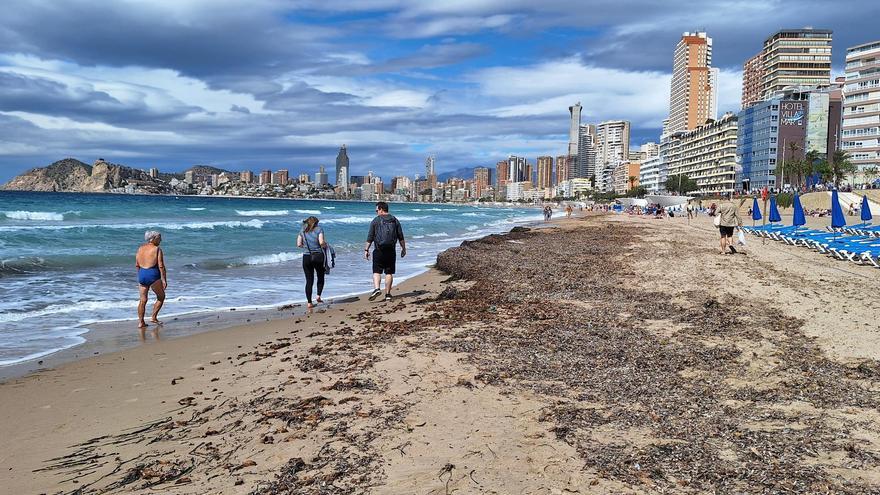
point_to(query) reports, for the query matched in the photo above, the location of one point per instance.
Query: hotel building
(860, 135)
(545, 172)
(796, 57)
(753, 80)
(691, 97)
(707, 155)
(481, 181)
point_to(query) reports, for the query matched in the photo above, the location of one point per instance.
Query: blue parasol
(866, 209)
(798, 219)
(756, 212)
(774, 211)
(837, 218)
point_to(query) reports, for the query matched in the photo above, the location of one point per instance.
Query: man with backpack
(385, 233)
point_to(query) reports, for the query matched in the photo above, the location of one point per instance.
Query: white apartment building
(707, 155)
(652, 174)
(860, 133)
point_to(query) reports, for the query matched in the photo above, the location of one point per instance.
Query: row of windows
(865, 131)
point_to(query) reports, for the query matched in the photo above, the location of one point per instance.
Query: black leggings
(313, 263)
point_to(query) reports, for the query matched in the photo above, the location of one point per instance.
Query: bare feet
(142, 324)
(156, 321)
(310, 305)
(319, 300)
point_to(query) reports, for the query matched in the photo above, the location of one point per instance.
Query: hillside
(71, 175)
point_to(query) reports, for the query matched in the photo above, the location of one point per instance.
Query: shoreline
(103, 337)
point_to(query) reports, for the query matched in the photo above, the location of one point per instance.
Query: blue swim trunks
(148, 276)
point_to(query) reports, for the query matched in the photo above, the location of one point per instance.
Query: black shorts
(384, 260)
(726, 231)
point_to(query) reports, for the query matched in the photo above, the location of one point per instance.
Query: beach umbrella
(798, 219)
(756, 212)
(774, 211)
(837, 218)
(866, 209)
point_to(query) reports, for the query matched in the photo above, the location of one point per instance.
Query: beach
(606, 354)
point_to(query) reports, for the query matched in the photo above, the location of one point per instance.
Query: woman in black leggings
(311, 239)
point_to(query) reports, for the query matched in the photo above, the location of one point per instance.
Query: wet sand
(610, 354)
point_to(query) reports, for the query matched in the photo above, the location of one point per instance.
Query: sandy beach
(606, 354)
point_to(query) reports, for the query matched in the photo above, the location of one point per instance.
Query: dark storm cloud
(43, 96)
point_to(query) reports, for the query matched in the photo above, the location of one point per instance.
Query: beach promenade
(606, 354)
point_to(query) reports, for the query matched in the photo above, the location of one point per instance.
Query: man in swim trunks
(150, 264)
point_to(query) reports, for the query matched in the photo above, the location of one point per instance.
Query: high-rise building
(517, 169)
(649, 150)
(502, 175)
(343, 169)
(626, 177)
(785, 127)
(707, 155)
(321, 178)
(691, 97)
(861, 106)
(562, 169)
(304, 178)
(265, 177)
(246, 176)
(430, 171)
(281, 177)
(652, 174)
(612, 143)
(481, 181)
(154, 173)
(189, 177)
(753, 80)
(794, 58)
(574, 127)
(545, 172)
(585, 165)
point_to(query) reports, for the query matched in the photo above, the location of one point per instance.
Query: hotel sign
(792, 113)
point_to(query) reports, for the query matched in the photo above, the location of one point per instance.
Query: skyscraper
(481, 181)
(796, 57)
(343, 170)
(265, 177)
(691, 96)
(517, 170)
(545, 172)
(502, 175)
(861, 107)
(753, 80)
(246, 176)
(612, 143)
(562, 169)
(321, 178)
(585, 165)
(574, 128)
(430, 173)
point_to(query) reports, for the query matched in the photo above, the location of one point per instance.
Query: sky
(284, 83)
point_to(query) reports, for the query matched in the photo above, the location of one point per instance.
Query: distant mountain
(463, 173)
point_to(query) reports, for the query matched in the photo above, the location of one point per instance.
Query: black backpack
(386, 231)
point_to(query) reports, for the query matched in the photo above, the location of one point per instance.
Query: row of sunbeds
(857, 243)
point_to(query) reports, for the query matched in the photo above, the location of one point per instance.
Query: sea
(67, 260)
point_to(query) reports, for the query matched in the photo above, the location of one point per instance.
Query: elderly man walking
(728, 219)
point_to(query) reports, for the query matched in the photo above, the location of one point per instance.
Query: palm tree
(807, 166)
(870, 174)
(840, 166)
(632, 181)
(793, 162)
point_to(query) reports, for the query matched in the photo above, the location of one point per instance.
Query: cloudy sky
(283, 83)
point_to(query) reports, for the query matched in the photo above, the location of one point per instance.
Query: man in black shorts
(385, 233)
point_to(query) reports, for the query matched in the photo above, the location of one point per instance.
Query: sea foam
(262, 213)
(36, 215)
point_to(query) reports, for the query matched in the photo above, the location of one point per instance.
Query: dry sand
(612, 354)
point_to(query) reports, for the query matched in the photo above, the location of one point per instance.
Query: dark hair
(381, 205)
(310, 224)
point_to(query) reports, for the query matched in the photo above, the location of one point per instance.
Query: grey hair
(151, 234)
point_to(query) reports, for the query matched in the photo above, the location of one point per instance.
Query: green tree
(637, 192)
(681, 184)
(870, 173)
(807, 166)
(840, 165)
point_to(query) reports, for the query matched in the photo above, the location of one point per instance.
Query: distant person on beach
(568, 210)
(728, 219)
(311, 239)
(385, 233)
(150, 265)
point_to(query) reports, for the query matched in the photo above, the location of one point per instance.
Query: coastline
(104, 337)
(619, 373)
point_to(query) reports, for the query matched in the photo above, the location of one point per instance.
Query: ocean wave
(262, 213)
(254, 223)
(471, 214)
(329, 207)
(73, 307)
(472, 227)
(438, 234)
(46, 216)
(308, 212)
(407, 218)
(271, 259)
(350, 220)
(196, 209)
(71, 335)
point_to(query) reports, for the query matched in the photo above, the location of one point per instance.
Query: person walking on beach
(728, 219)
(150, 265)
(385, 232)
(311, 240)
